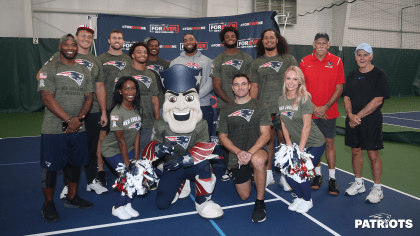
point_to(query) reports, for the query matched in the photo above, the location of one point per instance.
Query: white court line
(305, 214)
(391, 117)
(402, 112)
(23, 137)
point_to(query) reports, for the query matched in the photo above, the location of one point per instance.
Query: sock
(259, 201)
(331, 173)
(359, 180)
(269, 172)
(318, 170)
(206, 180)
(377, 186)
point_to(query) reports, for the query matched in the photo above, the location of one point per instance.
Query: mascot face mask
(181, 109)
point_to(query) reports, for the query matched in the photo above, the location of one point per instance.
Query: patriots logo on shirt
(273, 64)
(85, 63)
(144, 79)
(235, 63)
(181, 140)
(119, 64)
(289, 114)
(192, 65)
(245, 113)
(329, 65)
(135, 126)
(156, 68)
(76, 76)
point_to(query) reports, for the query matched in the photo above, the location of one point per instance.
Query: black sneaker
(226, 176)
(49, 212)
(77, 202)
(317, 182)
(102, 178)
(332, 187)
(259, 212)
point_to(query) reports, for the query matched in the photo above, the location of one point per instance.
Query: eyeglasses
(86, 36)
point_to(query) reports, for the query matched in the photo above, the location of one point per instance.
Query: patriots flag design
(119, 64)
(136, 125)
(85, 63)
(289, 114)
(235, 63)
(244, 113)
(76, 76)
(144, 79)
(181, 140)
(273, 64)
(156, 68)
(193, 65)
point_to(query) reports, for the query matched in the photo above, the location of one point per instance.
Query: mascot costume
(181, 139)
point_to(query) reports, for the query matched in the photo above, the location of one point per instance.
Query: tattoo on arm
(45, 93)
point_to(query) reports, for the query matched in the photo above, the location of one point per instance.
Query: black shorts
(242, 174)
(327, 127)
(276, 123)
(367, 135)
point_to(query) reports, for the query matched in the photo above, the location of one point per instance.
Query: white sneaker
(296, 203)
(304, 206)
(64, 193)
(375, 195)
(356, 188)
(186, 190)
(121, 213)
(209, 210)
(269, 180)
(130, 210)
(283, 182)
(97, 187)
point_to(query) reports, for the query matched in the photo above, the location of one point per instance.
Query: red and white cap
(86, 27)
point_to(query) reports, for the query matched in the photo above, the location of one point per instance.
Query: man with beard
(149, 100)
(227, 64)
(156, 65)
(267, 75)
(67, 93)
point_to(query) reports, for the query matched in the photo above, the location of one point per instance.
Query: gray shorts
(327, 127)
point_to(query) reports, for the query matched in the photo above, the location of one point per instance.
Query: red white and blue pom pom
(137, 178)
(294, 163)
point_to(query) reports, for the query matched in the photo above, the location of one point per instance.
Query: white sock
(318, 170)
(331, 172)
(377, 186)
(359, 180)
(269, 172)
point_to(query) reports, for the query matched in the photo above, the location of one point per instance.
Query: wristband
(326, 104)
(68, 121)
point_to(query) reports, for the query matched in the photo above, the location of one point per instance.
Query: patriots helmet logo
(289, 114)
(119, 64)
(157, 68)
(273, 64)
(193, 65)
(181, 140)
(136, 125)
(144, 79)
(74, 75)
(244, 113)
(85, 63)
(235, 63)
(382, 216)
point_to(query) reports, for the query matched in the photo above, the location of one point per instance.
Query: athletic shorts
(58, 150)
(327, 127)
(242, 174)
(106, 128)
(116, 159)
(367, 135)
(275, 119)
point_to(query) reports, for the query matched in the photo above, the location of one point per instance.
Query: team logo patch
(136, 125)
(289, 114)
(114, 124)
(76, 76)
(273, 64)
(114, 117)
(119, 64)
(144, 79)
(43, 75)
(181, 140)
(193, 65)
(329, 65)
(235, 63)
(244, 113)
(157, 68)
(47, 163)
(85, 63)
(41, 83)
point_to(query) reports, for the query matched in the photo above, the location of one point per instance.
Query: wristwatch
(68, 121)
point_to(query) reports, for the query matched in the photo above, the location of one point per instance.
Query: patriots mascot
(181, 139)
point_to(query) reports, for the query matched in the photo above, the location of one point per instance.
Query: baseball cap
(146, 40)
(364, 46)
(85, 27)
(66, 37)
(322, 35)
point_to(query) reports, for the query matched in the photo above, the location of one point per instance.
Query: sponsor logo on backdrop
(217, 45)
(137, 27)
(167, 46)
(248, 43)
(200, 46)
(382, 221)
(164, 28)
(217, 27)
(127, 45)
(194, 28)
(252, 23)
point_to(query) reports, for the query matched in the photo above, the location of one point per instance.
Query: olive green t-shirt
(112, 65)
(293, 120)
(156, 67)
(70, 84)
(129, 121)
(148, 88)
(242, 122)
(268, 73)
(226, 66)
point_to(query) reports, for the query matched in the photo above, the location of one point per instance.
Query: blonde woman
(295, 108)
